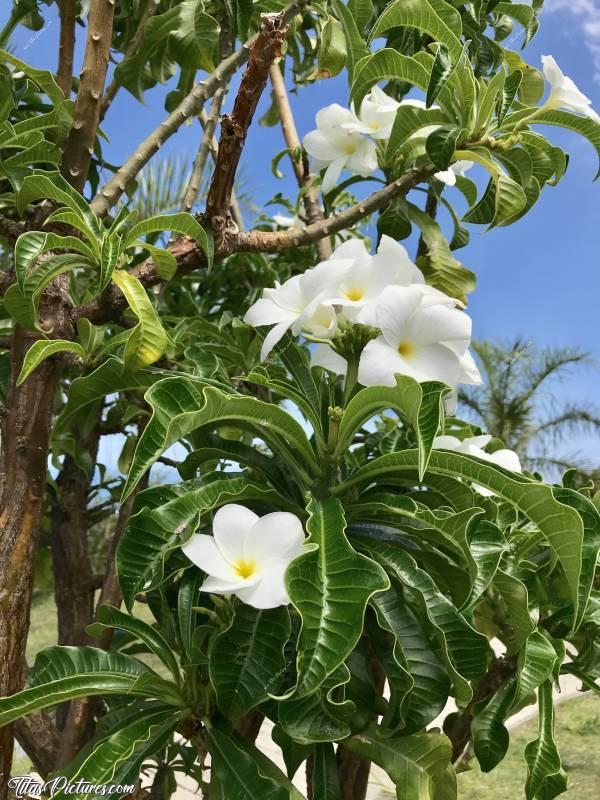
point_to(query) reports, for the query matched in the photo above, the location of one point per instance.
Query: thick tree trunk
(25, 428)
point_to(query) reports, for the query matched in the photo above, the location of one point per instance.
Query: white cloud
(587, 13)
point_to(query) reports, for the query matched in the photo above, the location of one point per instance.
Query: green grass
(578, 739)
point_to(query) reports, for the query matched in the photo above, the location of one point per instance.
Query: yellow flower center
(406, 349)
(354, 294)
(350, 148)
(245, 569)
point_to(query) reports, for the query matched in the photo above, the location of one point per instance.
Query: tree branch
(66, 47)
(38, 736)
(10, 229)
(114, 86)
(310, 199)
(208, 135)
(86, 115)
(190, 257)
(110, 193)
(234, 126)
(213, 147)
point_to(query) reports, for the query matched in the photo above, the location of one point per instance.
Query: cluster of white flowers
(473, 446)
(423, 333)
(344, 140)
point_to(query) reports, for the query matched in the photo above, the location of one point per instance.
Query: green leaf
(43, 349)
(585, 126)
(153, 533)
(246, 661)
(537, 660)
(561, 525)
(148, 340)
(109, 617)
(356, 48)
(423, 696)
(66, 673)
(464, 649)
(440, 72)
(545, 776)
(386, 64)
(109, 256)
(164, 261)
(41, 77)
(330, 586)
(490, 737)
(108, 378)
(420, 403)
(440, 267)
(52, 186)
(525, 16)
(332, 49)
(440, 146)
(181, 405)
(31, 245)
(239, 772)
(422, 15)
(509, 92)
(112, 759)
(487, 100)
(318, 717)
(408, 121)
(410, 761)
(516, 599)
(325, 776)
(23, 305)
(183, 223)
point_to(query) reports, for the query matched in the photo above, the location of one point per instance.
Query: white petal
(320, 147)
(231, 525)
(446, 443)
(507, 459)
(332, 173)
(441, 324)
(447, 176)
(274, 336)
(269, 591)
(433, 362)
(393, 258)
(478, 441)
(396, 306)
(363, 161)
(332, 116)
(325, 356)
(276, 535)
(202, 550)
(378, 364)
(267, 312)
(214, 585)
(469, 372)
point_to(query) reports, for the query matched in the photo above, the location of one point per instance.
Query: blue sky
(539, 278)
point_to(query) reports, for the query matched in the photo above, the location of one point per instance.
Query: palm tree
(517, 402)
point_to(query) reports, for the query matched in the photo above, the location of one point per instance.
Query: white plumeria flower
(360, 286)
(248, 555)
(376, 116)
(332, 146)
(564, 93)
(449, 175)
(298, 304)
(421, 337)
(323, 355)
(473, 446)
(287, 222)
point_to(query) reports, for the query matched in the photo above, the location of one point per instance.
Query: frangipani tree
(336, 530)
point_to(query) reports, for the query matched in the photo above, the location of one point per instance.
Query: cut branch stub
(234, 127)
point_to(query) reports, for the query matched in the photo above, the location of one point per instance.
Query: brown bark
(25, 428)
(86, 115)
(66, 47)
(79, 720)
(234, 127)
(310, 198)
(38, 736)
